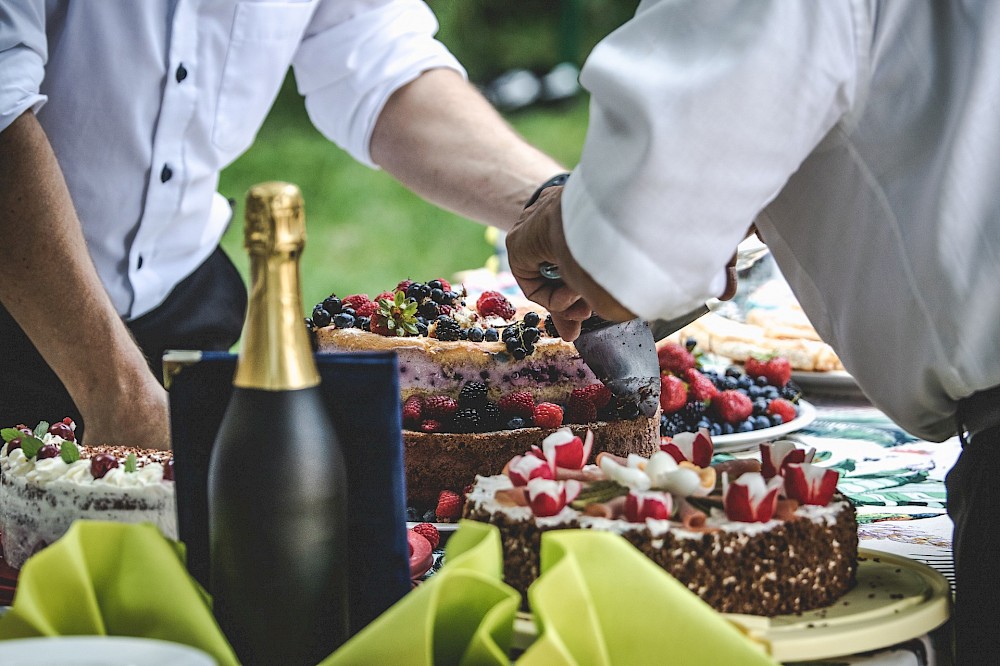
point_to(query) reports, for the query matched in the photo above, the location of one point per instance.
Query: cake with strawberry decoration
(480, 380)
(48, 480)
(769, 537)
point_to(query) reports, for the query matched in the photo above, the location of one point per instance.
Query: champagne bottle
(277, 484)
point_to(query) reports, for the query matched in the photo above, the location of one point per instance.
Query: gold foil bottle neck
(276, 354)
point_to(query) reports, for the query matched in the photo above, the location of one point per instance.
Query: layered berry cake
(479, 381)
(48, 480)
(760, 538)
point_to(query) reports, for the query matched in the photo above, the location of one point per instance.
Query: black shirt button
(181, 73)
(166, 174)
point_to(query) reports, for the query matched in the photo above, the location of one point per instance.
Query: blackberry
(692, 412)
(491, 335)
(789, 391)
(447, 329)
(473, 395)
(490, 414)
(343, 320)
(467, 420)
(531, 319)
(672, 425)
(320, 316)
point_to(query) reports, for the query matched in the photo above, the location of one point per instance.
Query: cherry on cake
(48, 480)
(479, 381)
(760, 538)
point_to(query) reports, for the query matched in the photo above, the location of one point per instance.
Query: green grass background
(365, 232)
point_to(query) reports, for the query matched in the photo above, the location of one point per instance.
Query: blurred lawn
(365, 231)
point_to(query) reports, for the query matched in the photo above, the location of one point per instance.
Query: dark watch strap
(551, 182)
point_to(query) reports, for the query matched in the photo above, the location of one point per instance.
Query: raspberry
(699, 386)
(782, 408)
(429, 532)
(518, 403)
(547, 415)
(776, 369)
(675, 358)
(495, 303)
(580, 410)
(366, 309)
(598, 394)
(355, 301)
(385, 296)
(412, 410)
(673, 394)
(440, 407)
(449, 506)
(733, 406)
(430, 425)
(402, 286)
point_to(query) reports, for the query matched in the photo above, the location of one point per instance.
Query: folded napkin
(598, 601)
(113, 579)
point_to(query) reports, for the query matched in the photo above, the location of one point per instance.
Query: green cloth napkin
(598, 601)
(113, 579)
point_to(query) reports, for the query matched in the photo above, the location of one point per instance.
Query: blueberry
(728, 429)
(412, 515)
(476, 334)
(331, 304)
(744, 382)
(753, 391)
(421, 329)
(734, 372)
(770, 392)
(704, 423)
(437, 295)
(776, 419)
(365, 324)
(349, 311)
(759, 406)
(320, 316)
(429, 516)
(429, 310)
(515, 423)
(519, 353)
(729, 383)
(761, 381)
(435, 284)
(715, 429)
(343, 320)
(531, 319)
(531, 335)
(491, 335)
(760, 422)
(745, 426)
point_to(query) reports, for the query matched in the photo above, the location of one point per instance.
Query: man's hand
(538, 238)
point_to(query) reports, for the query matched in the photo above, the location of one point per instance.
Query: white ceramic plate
(834, 382)
(740, 441)
(444, 529)
(99, 650)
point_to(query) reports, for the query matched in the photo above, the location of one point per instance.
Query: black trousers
(205, 311)
(973, 486)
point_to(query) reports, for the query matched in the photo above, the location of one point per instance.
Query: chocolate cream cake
(47, 481)
(752, 544)
(479, 382)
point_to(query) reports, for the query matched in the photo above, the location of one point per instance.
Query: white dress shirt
(862, 137)
(145, 102)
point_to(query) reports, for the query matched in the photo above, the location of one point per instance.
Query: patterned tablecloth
(897, 484)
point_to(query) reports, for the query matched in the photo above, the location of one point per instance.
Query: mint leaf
(130, 463)
(41, 429)
(68, 452)
(31, 445)
(10, 433)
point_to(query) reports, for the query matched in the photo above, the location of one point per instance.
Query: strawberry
(580, 410)
(782, 408)
(449, 506)
(547, 415)
(380, 325)
(598, 394)
(430, 425)
(733, 406)
(440, 407)
(495, 303)
(412, 410)
(673, 394)
(675, 358)
(518, 403)
(699, 386)
(776, 369)
(429, 532)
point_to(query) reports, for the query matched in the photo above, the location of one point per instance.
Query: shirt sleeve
(355, 55)
(23, 53)
(699, 114)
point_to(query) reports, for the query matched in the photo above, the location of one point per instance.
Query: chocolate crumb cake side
(764, 552)
(47, 481)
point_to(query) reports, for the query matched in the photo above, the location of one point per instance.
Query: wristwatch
(551, 182)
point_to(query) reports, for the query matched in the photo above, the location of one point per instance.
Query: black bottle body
(278, 526)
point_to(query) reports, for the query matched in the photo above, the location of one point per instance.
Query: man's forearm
(443, 140)
(47, 278)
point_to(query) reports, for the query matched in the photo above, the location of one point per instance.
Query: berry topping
(518, 403)
(493, 303)
(598, 394)
(473, 395)
(430, 425)
(63, 429)
(101, 464)
(429, 532)
(48, 451)
(440, 407)
(580, 410)
(547, 415)
(168, 470)
(412, 411)
(467, 420)
(449, 506)
(733, 406)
